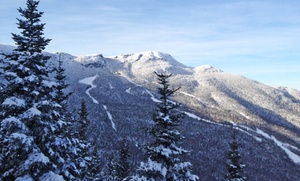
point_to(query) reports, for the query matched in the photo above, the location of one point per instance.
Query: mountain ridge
(121, 93)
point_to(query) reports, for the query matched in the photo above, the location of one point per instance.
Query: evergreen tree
(83, 122)
(163, 154)
(122, 167)
(65, 150)
(111, 169)
(234, 166)
(80, 159)
(60, 96)
(95, 170)
(85, 160)
(27, 108)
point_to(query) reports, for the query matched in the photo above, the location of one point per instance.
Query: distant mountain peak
(206, 69)
(156, 55)
(147, 56)
(96, 60)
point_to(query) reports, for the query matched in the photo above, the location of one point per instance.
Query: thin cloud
(224, 34)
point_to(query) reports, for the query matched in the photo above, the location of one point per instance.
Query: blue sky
(258, 39)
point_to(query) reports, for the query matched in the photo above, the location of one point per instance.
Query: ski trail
(190, 95)
(113, 125)
(89, 81)
(284, 146)
(247, 131)
(152, 96)
(294, 157)
(191, 115)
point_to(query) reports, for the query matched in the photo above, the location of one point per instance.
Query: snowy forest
(46, 135)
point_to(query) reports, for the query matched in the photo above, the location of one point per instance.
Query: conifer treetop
(164, 161)
(31, 39)
(234, 165)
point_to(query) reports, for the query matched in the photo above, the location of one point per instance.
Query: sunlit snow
(128, 90)
(50, 176)
(14, 101)
(191, 115)
(89, 81)
(152, 96)
(190, 95)
(31, 112)
(283, 146)
(113, 125)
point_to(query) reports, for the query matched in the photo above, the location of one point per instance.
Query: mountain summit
(149, 56)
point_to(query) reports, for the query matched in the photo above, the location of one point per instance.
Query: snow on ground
(290, 146)
(89, 81)
(129, 80)
(110, 86)
(152, 96)
(244, 115)
(128, 90)
(113, 125)
(248, 131)
(283, 146)
(191, 115)
(245, 129)
(190, 95)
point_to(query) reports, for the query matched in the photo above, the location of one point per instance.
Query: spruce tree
(61, 96)
(65, 150)
(80, 159)
(122, 167)
(83, 121)
(85, 160)
(33, 109)
(27, 109)
(234, 166)
(164, 154)
(95, 170)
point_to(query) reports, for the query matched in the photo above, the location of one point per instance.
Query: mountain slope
(212, 91)
(120, 93)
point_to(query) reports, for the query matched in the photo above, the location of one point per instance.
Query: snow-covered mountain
(120, 92)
